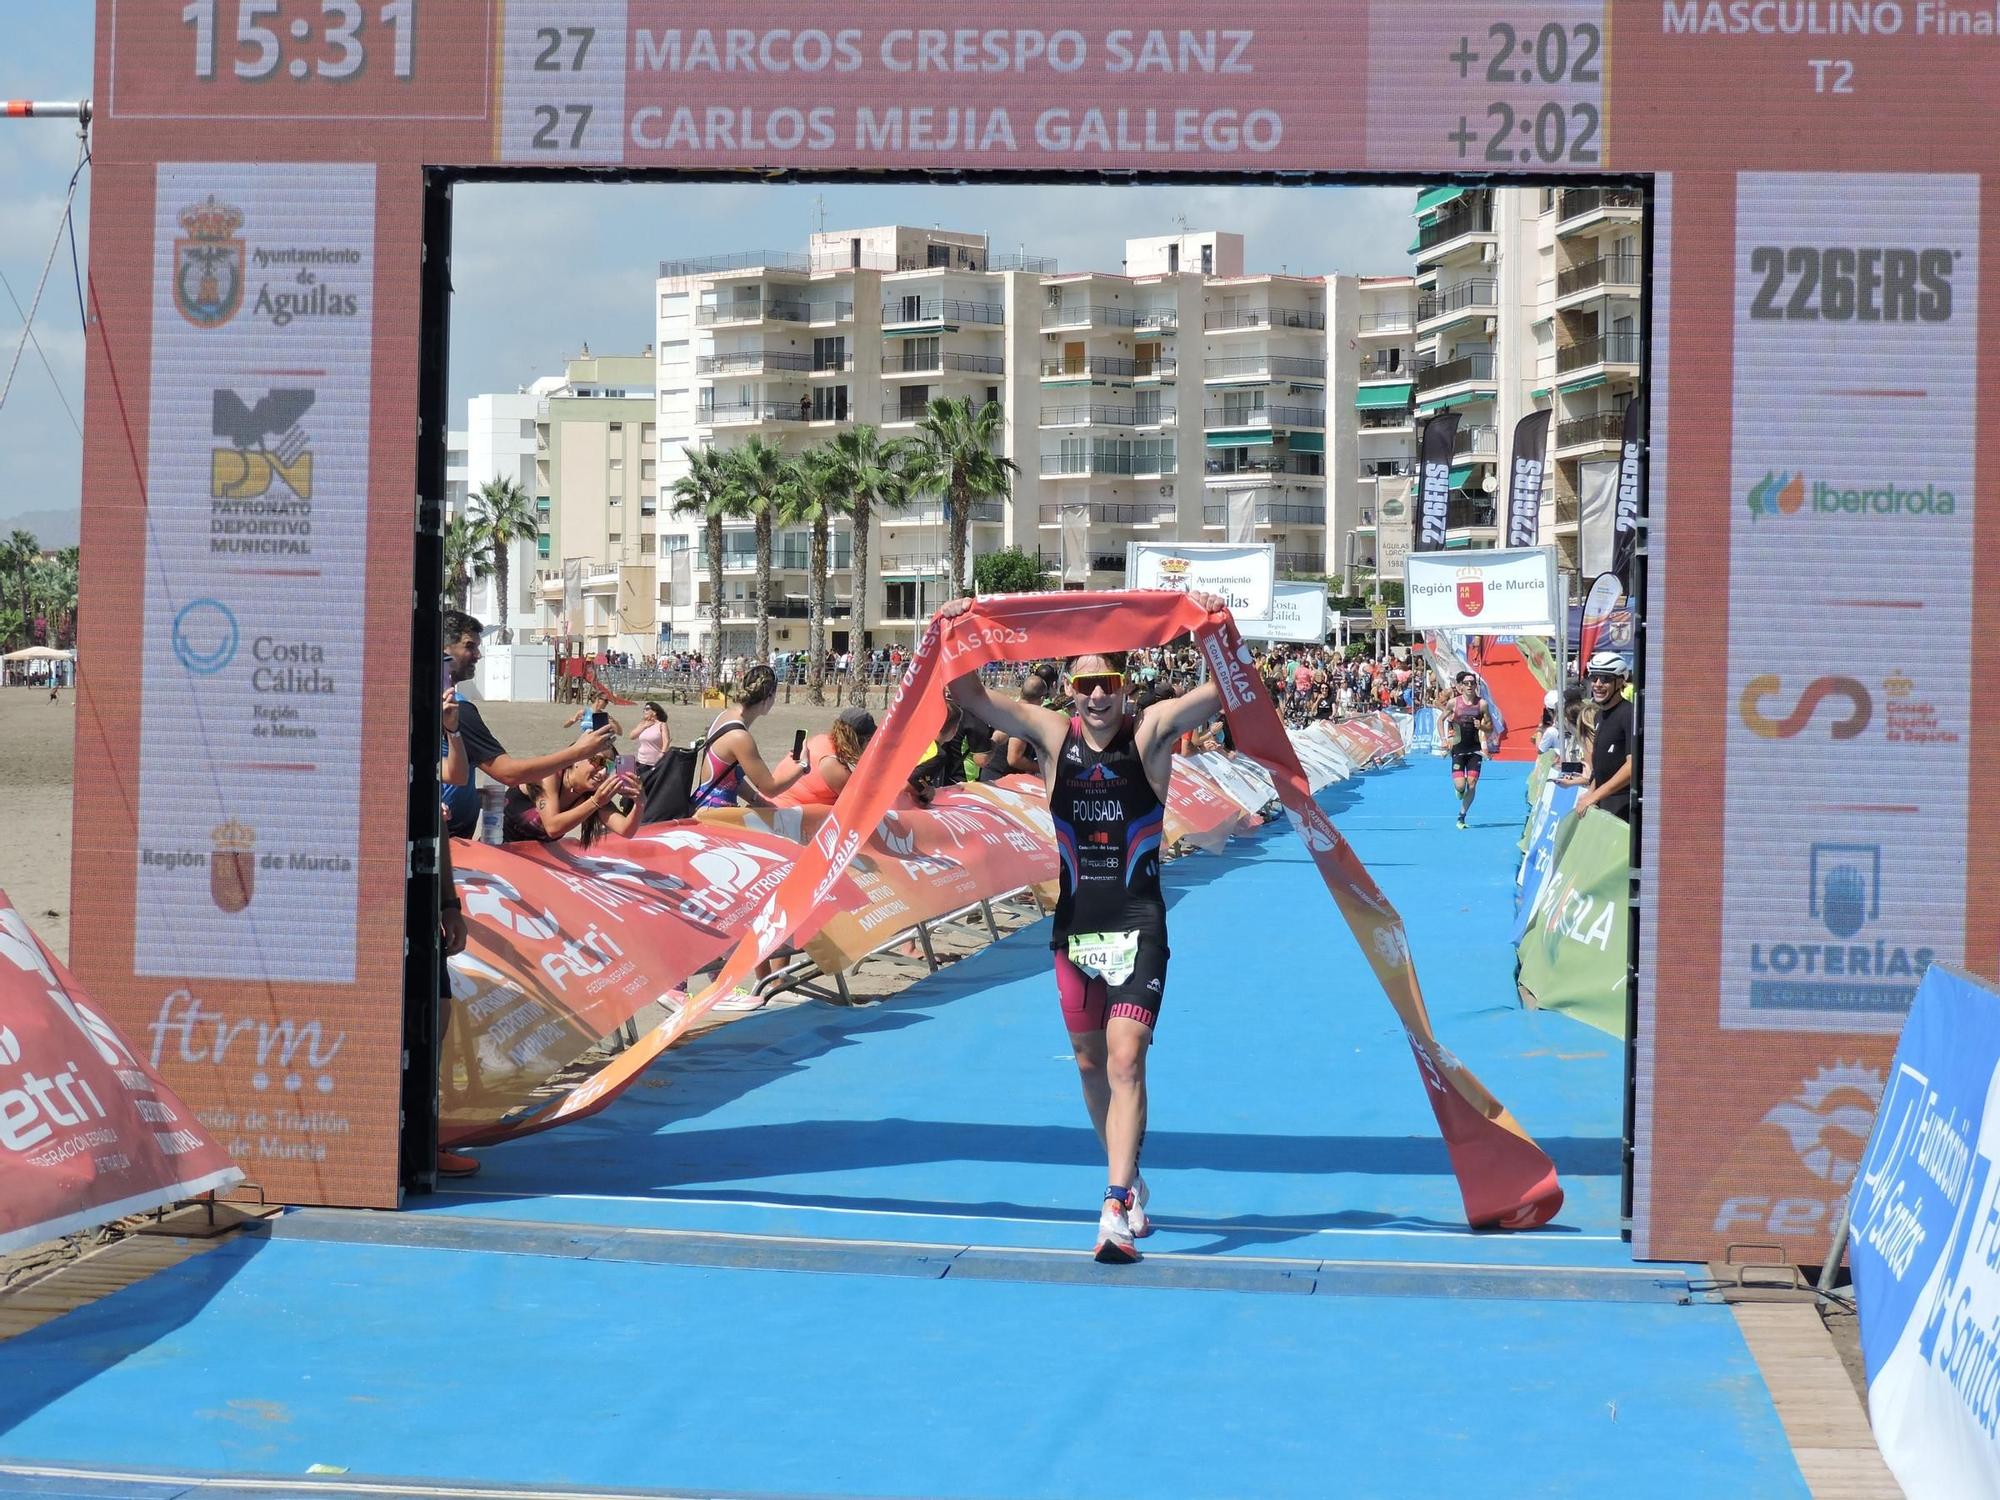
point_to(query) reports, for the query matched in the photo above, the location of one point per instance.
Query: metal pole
(45, 109)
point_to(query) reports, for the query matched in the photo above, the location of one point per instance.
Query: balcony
(830, 312)
(1217, 418)
(1153, 416)
(1574, 205)
(993, 511)
(1384, 419)
(1476, 442)
(1610, 273)
(1092, 366)
(1089, 416)
(1271, 513)
(783, 559)
(750, 361)
(1265, 470)
(1606, 350)
(779, 609)
(1093, 315)
(838, 365)
(1464, 218)
(750, 310)
(1466, 369)
(1109, 513)
(1382, 369)
(741, 413)
(1230, 320)
(1100, 562)
(1369, 324)
(1158, 368)
(1604, 430)
(1388, 468)
(946, 312)
(1462, 514)
(919, 362)
(1112, 460)
(1159, 319)
(913, 562)
(1444, 306)
(1041, 265)
(1311, 564)
(1264, 368)
(735, 260)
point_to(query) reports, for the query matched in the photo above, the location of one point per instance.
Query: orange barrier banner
(88, 1132)
(1199, 811)
(920, 864)
(1504, 1179)
(565, 945)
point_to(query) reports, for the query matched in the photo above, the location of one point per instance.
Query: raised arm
(760, 777)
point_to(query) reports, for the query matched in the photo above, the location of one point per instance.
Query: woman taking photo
(584, 797)
(829, 759)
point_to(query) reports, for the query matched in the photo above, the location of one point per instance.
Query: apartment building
(498, 443)
(1176, 398)
(1527, 299)
(1374, 455)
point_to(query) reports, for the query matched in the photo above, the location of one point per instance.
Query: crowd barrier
(88, 1131)
(567, 946)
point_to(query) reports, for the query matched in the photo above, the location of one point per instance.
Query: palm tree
(757, 473)
(63, 576)
(18, 554)
(505, 517)
(811, 497)
(870, 476)
(704, 491)
(466, 557)
(954, 456)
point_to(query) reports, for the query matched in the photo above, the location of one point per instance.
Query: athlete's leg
(1084, 1002)
(1125, 1044)
(1089, 1049)
(1470, 789)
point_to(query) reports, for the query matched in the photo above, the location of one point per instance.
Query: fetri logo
(1787, 494)
(1767, 718)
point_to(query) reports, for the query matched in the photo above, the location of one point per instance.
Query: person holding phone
(829, 760)
(734, 770)
(588, 798)
(485, 753)
(596, 715)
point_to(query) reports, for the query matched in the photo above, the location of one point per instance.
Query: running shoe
(1461, 820)
(1136, 1215)
(1114, 1236)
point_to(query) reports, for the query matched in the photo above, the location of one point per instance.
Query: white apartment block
(1179, 398)
(1527, 299)
(498, 444)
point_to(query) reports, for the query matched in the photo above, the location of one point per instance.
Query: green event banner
(1540, 659)
(1572, 957)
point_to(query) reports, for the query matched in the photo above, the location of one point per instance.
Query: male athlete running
(1469, 723)
(1107, 771)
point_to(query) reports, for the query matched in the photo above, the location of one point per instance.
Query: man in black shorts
(1107, 770)
(1467, 723)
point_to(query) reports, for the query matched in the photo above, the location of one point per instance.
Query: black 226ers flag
(1524, 480)
(1434, 482)
(1625, 534)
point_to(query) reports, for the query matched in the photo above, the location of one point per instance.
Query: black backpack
(670, 783)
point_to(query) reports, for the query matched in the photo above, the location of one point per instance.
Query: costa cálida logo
(1471, 594)
(208, 264)
(232, 869)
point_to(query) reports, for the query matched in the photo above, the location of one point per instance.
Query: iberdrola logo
(1777, 494)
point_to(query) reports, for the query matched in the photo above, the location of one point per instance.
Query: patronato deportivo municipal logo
(208, 264)
(232, 868)
(263, 443)
(1786, 494)
(1854, 973)
(1471, 593)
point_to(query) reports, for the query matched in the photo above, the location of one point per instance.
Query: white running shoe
(1136, 1215)
(1114, 1236)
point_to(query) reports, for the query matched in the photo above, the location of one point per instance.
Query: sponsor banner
(1554, 804)
(1298, 613)
(1597, 516)
(1524, 479)
(88, 1131)
(1484, 591)
(1434, 485)
(1199, 811)
(1504, 1179)
(1242, 782)
(1625, 519)
(1850, 593)
(1925, 1245)
(250, 651)
(1572, 948)
(1607, 620)
(566, 944)
(1244, 575)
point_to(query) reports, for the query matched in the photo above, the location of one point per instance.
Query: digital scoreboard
(1824, 406)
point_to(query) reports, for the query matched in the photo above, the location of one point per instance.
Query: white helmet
(1607, 664)
(1552, 699)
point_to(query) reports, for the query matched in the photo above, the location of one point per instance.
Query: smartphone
(448, 665)
(599, 718)
(798, 743)
(1572, 768)
(625, 765)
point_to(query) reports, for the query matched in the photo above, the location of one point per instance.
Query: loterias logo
(1804, 972)
(1785, 494)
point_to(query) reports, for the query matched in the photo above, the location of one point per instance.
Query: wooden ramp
(1824, 1420)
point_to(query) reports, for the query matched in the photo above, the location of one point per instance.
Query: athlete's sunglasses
(1086, 683)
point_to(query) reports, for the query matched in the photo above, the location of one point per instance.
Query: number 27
(551, 117)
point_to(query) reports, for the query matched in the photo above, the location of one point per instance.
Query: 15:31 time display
(343, 33)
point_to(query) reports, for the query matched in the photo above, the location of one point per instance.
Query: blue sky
(598, 246)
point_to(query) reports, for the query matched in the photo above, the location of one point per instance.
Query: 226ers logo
(208, 264)
(1471, 595)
